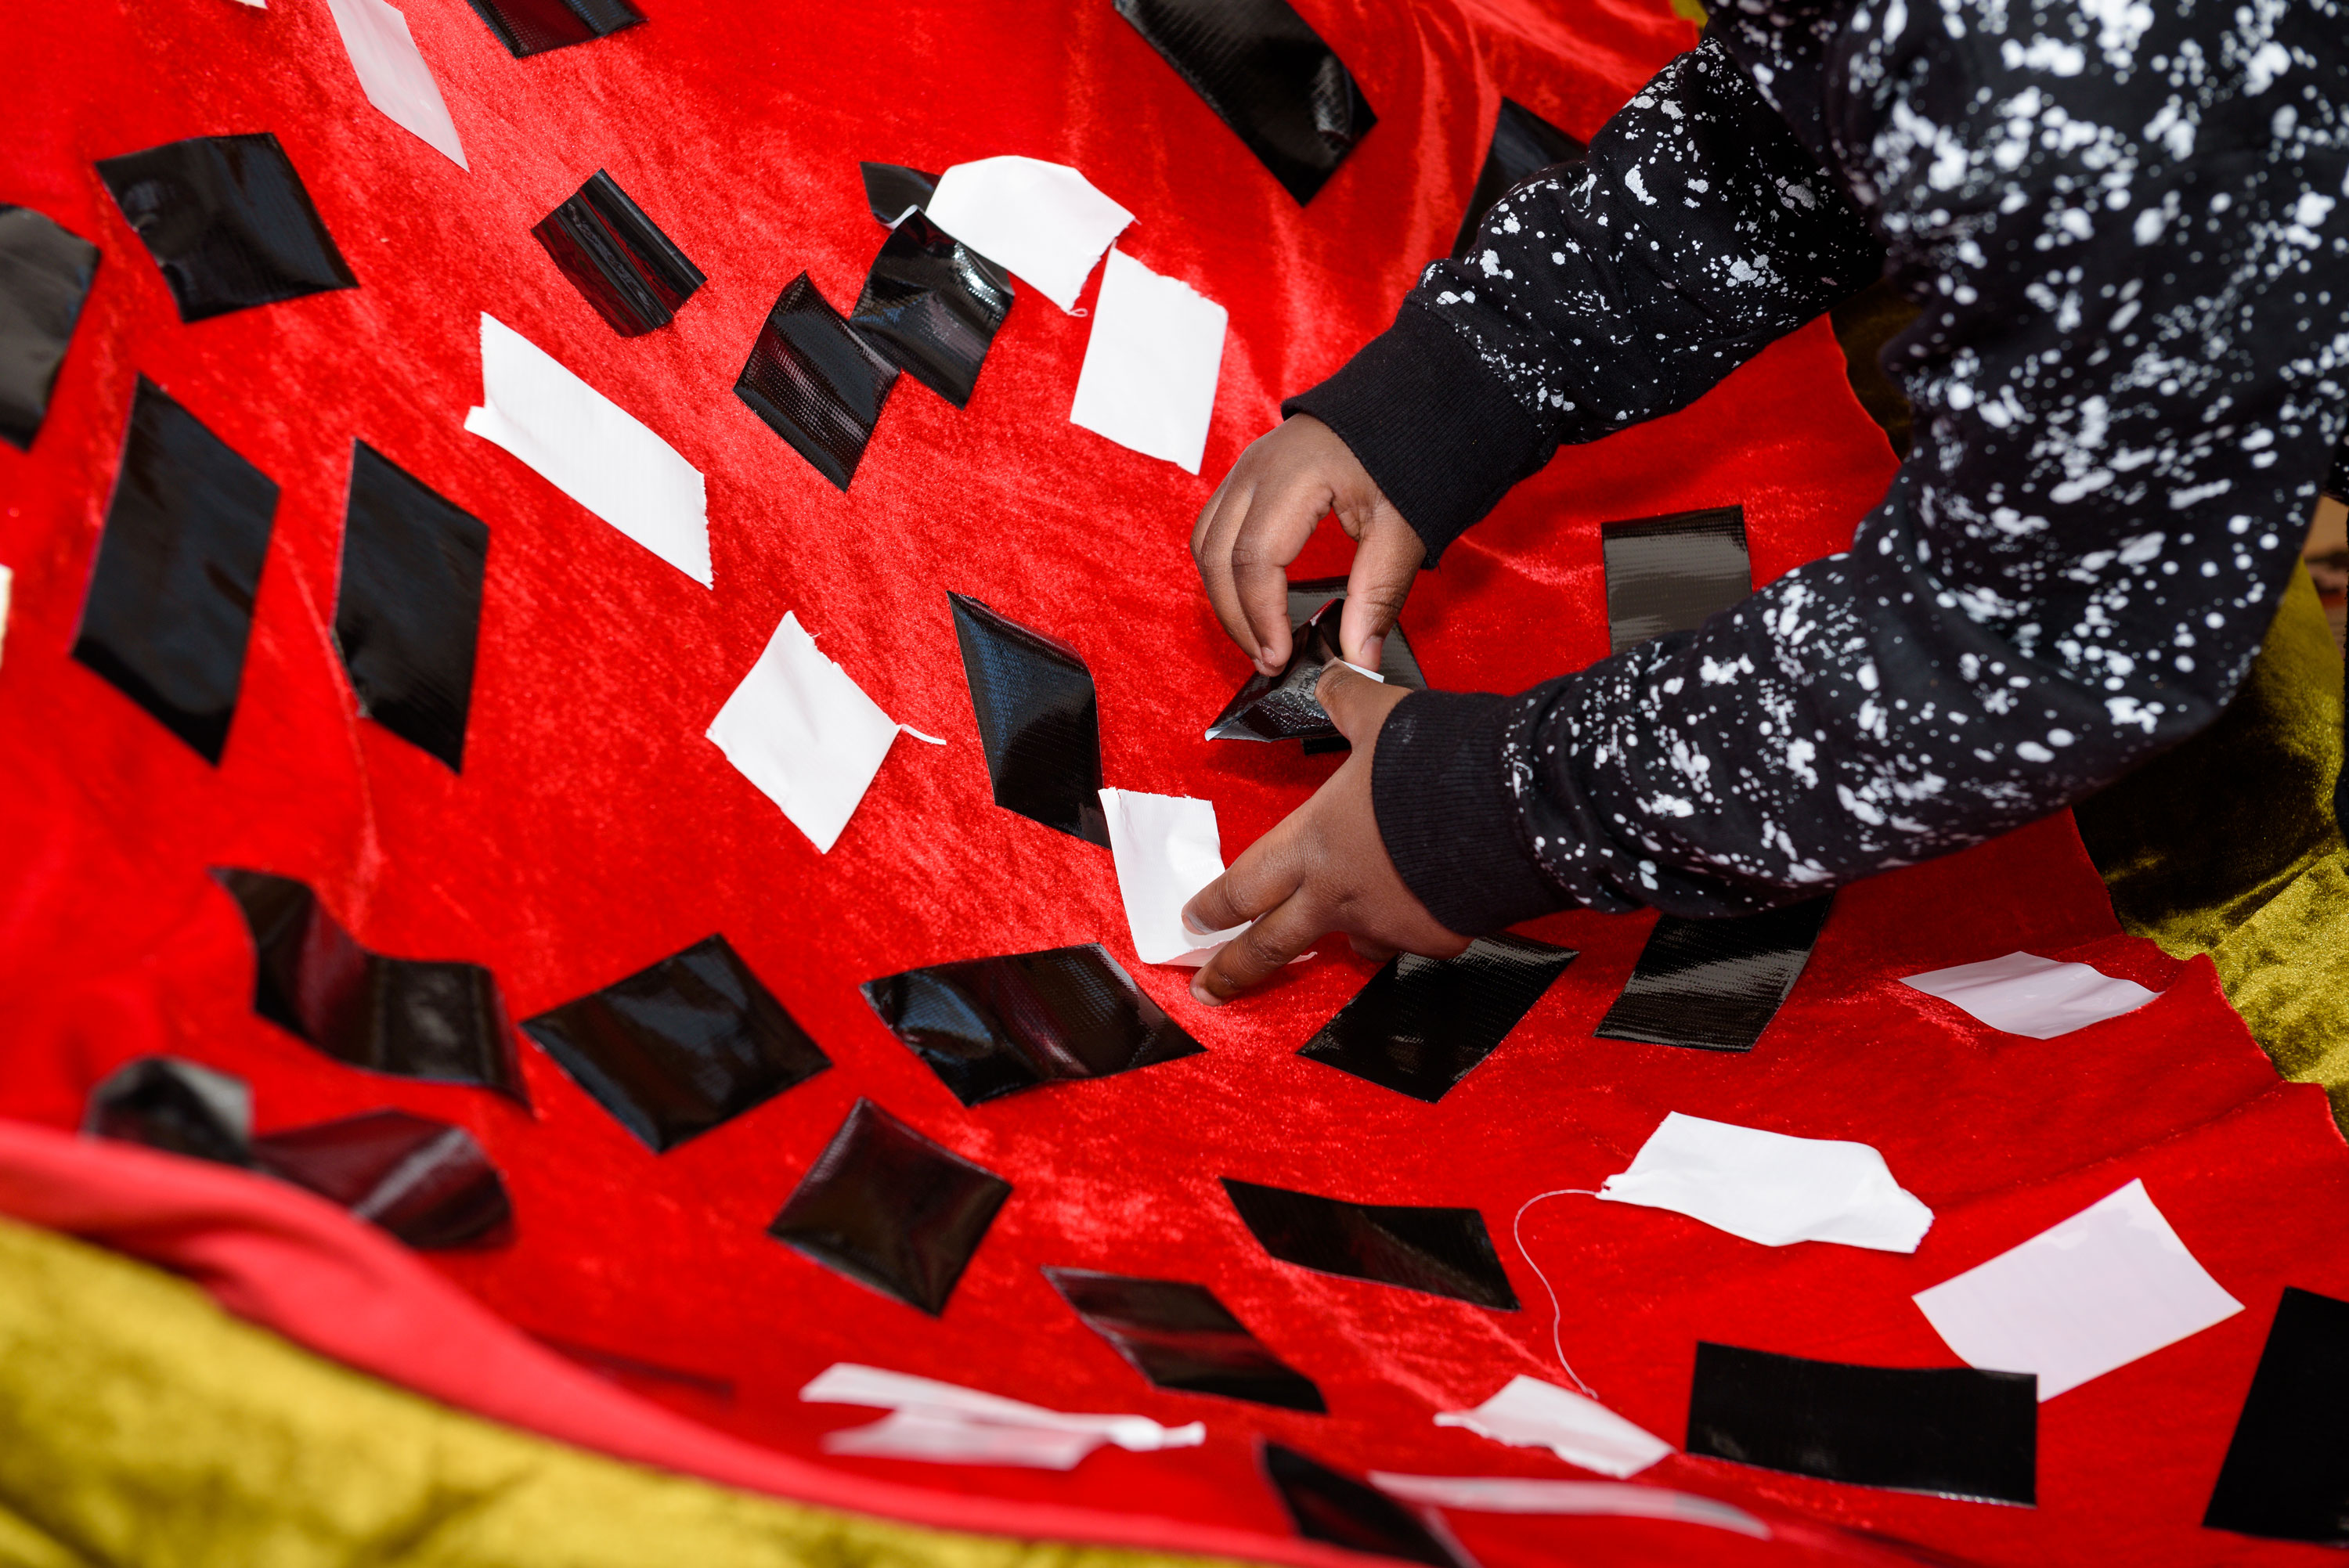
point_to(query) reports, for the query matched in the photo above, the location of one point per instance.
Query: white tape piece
(591, 450)
(7, 587)
(1771, 1188)
(1044, 221)
(2109, 1285)
(394, 76)
(1519, 1494)
(2023, 993)
(1166, 848)
(1528, 1413)
(948, 1423)
(806, 734)
(1150, 365)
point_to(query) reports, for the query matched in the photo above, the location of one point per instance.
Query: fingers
(1256, 954)
(1355, 703)
(1274, 529)
(1386, 560)
(1262, 878)
(1211, 550)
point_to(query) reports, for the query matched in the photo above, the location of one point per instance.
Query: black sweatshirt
(2128, 224)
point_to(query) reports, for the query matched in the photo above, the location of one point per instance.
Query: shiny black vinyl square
(45, 273)
(228, 221)
(1180, 1336)
(1673, 574)
(175, 1105)
(1444, 1252)
(1324, 1505)
(931, 306)
(892, 190)
(816, 382)
(1421, 1025)
(1284, 706)
(533, 26)
(1038, 721)
(2286, 1474)
(1716, 985)
(428, 1182)
(617, 258)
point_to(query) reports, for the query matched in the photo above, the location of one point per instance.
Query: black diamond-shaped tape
(931, 305)
(1284, 706)
(408, 1018)
(533, 26)
(1444, 1252)
(891, 1210)
(891, 188)
(175, 1105)
(428, 1182)
(1038, 721)
(45, 277)
(2286, 1474)
(1421, 1025)
(1673, 574)
(993, 1026)
(1523, 145)
(1716, 985)
(816, 382)
(170, 608)
(228, 221)
(682, 1047)
(617, 258)
(1268, 76)
(408, 611)
(1180, 1336)
(1951, 1431)
(1326, 1506)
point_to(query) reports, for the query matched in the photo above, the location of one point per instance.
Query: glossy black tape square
(1444, 1252)
(175, 1105)
(428, 1182)
(1324, 1505)
(1523, 145)
(1421, 1023)
(533, 26)
(1038, 721)
(892, 190)
(45, 277)
(1178, 1335)
(1716, 985)
(931, 305)
(617, 258)
(2286, 1474)
(816, 382)
(229, 223)
(1673, 574)
(1284, 706)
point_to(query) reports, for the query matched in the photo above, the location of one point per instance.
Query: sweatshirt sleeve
(1599, 294)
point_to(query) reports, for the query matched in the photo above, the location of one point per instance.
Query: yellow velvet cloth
(141, 1426)
(2229, 846)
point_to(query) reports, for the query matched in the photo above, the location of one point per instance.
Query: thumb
(1355, 703)
(1385, 562)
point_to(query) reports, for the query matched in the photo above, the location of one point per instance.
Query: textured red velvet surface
(594, 829)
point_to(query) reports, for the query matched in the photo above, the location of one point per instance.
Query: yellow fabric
(139, 1424)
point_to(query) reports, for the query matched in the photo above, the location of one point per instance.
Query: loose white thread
(1557, 1313)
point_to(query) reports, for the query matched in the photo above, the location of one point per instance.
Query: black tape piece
(428, 1182)
(1038, 721)
(931, 305)
(993, 1026)
(406, 1016)
(408, 611)
(892, 189)
(228, 220)
(1673, 574)
(170, 608)
(816, 382)
(1444, 1252)
(685, 1046)
(45, 273)
(1178, 1335)
(1268, 76)
(617, 258)
(1951, 1431)
(2286, 1474)
(1421, 1025)
(533, 26)
(1326, 1506)
(891, 1210)
(175, 1105)
(1523, 145)
(1716, 985)
(1283, 707)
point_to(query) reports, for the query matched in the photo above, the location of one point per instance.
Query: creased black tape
(175, 1105)
(1178, 1335)
(1324, 1505)
(45, 273)
(931, 305)
(1283, 706)
(228, 221)
(892, 190)
(1038, 721)
(533, 26)
(407, 614)
(1268, 76)
(1716, 985)
(1444, 1252)
(816, 382)
(428, 1182)
(681, 1047)
(1523, 145)
(170, 608)
(992, 1026)
(1673, 574)
(2286, 1474)
(1421, 1025)
(1951, 1431)
(891, 1210)
(617, 258)
(410, 1018)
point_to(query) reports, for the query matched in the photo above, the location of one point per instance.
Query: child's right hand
(1260, 519)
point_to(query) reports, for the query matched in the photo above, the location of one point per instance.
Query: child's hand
(1261, 517)
(1323, 869)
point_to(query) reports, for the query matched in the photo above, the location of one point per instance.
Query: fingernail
(1204, 997)
(1192, 928)
(1371, 650)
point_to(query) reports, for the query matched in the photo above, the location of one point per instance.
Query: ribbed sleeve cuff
(1440, 434)
(1447, 817)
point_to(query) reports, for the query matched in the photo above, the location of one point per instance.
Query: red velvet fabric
(595, 831)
